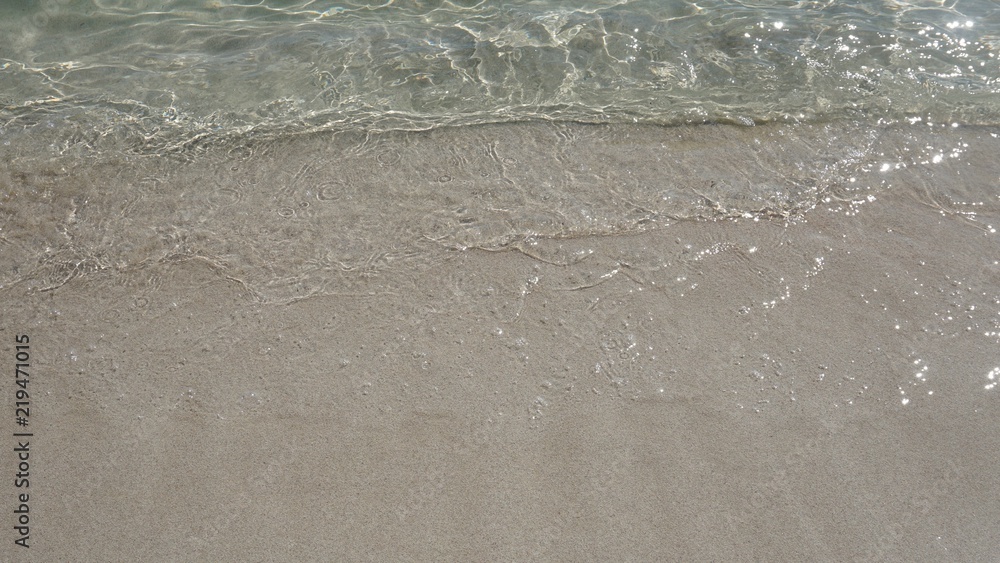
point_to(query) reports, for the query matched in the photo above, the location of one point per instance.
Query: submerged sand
(764, 388)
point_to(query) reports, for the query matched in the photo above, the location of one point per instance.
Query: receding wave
(138, 78)
(342, 213)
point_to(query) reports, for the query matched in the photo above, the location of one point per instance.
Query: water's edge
(309, 214)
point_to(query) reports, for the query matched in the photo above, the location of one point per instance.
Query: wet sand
(817, 389)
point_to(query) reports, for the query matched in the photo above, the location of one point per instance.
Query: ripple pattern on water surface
(345, 213)
(132, 77)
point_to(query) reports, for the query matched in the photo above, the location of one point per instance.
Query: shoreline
(714, 390)
(349, 214)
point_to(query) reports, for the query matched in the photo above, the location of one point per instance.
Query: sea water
(315, 147)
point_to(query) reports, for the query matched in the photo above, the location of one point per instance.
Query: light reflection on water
(164, 75)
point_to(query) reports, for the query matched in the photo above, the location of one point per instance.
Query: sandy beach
(748, 387)
(600, 280)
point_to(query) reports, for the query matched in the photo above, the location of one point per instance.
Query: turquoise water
(145, 76)
(316, 147)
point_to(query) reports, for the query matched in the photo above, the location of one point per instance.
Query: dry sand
(733, 390)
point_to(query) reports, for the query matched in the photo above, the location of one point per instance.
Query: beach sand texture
(595, 353)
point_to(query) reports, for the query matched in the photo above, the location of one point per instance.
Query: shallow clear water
(154, 75)
(535, 279)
